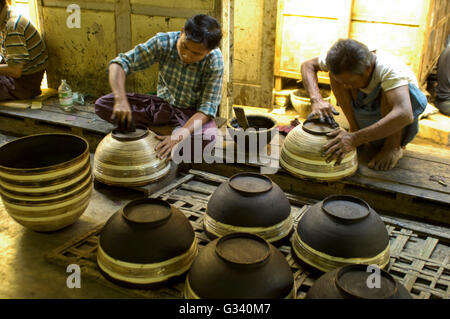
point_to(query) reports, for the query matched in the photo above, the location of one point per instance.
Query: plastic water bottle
(65, 96)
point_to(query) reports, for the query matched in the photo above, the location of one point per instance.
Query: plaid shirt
(196, 85)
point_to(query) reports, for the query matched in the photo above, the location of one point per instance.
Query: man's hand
(164, 148)
(122, 112)
(342, 143)
(324, 111)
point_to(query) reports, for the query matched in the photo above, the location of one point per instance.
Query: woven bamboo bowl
(350, 282)
(240, 265)
(301, 154)
(338, 231)
(45, 180)
(129, 159)
(145, 244)
(250, 203)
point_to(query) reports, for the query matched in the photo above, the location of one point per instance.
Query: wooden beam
(88, 5)
(166, 12)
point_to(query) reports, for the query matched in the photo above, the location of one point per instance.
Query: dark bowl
(249, 202)
(341, 230)
(352, 282)
(147, 242)
(264, 130)
(240, 265)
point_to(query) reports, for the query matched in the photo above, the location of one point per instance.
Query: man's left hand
(164, 148)
(342, 144)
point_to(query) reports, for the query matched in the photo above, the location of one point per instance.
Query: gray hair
(348, 56)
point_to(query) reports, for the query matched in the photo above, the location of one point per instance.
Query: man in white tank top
(379, 95)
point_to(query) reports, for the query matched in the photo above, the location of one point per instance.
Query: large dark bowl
(341, 230)
(262, 129)
(147, 242)
(357, 282)
(249, 202)
(240, 265)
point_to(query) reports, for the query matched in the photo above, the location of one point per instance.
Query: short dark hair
(348, 55)
(204, 29)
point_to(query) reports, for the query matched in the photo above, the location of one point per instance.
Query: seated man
(379, 95)
(24, 56)
(443, 79)
(189, 81)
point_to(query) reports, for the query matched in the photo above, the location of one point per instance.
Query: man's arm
(319, 107)
(195, 122)
(117, 79)
(12, 71)
(400, 116)
(141, 57)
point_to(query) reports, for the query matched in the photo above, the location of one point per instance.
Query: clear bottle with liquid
(65, 96)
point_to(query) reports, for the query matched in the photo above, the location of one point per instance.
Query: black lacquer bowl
(357, 282)
(250, 203)
(341, 230)
(146, 243)
(240, 265)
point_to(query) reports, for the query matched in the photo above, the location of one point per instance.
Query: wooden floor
(418, 187)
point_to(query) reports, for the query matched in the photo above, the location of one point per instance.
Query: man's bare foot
(386, 159)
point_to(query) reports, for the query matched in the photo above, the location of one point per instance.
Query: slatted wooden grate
(420, 262)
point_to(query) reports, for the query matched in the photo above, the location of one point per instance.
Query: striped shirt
(21, 43)
(197, 85)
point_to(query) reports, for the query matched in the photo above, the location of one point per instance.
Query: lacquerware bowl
(261, 130)
(302, 154)
(357, 282)
(240, 265)
(129, 159)
(341, 230)
(251, 203)
(45, 180)
(146, 243)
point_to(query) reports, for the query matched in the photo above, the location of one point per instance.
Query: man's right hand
(323, 111)
(122, 112)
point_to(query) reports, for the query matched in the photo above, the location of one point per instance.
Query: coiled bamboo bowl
(129, 159)
(45, 180)
(146, 244)
(301, 154)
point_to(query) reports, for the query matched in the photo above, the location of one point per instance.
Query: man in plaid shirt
(189, 81)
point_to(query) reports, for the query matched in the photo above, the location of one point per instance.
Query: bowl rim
(273, 120)
(258, 262)
(349, 198)
(123, 211)
(351, 267)
(145, 132)
(250, 174)
(54, 166)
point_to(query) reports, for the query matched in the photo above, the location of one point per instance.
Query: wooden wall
(414, 30)
(109, 27)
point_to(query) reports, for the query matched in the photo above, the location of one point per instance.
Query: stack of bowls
(302, 154)
(45, 180)
(340, 230)
(240, 265)
(357, 282)
(145, 244)
(129, 159)
(251, 203)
